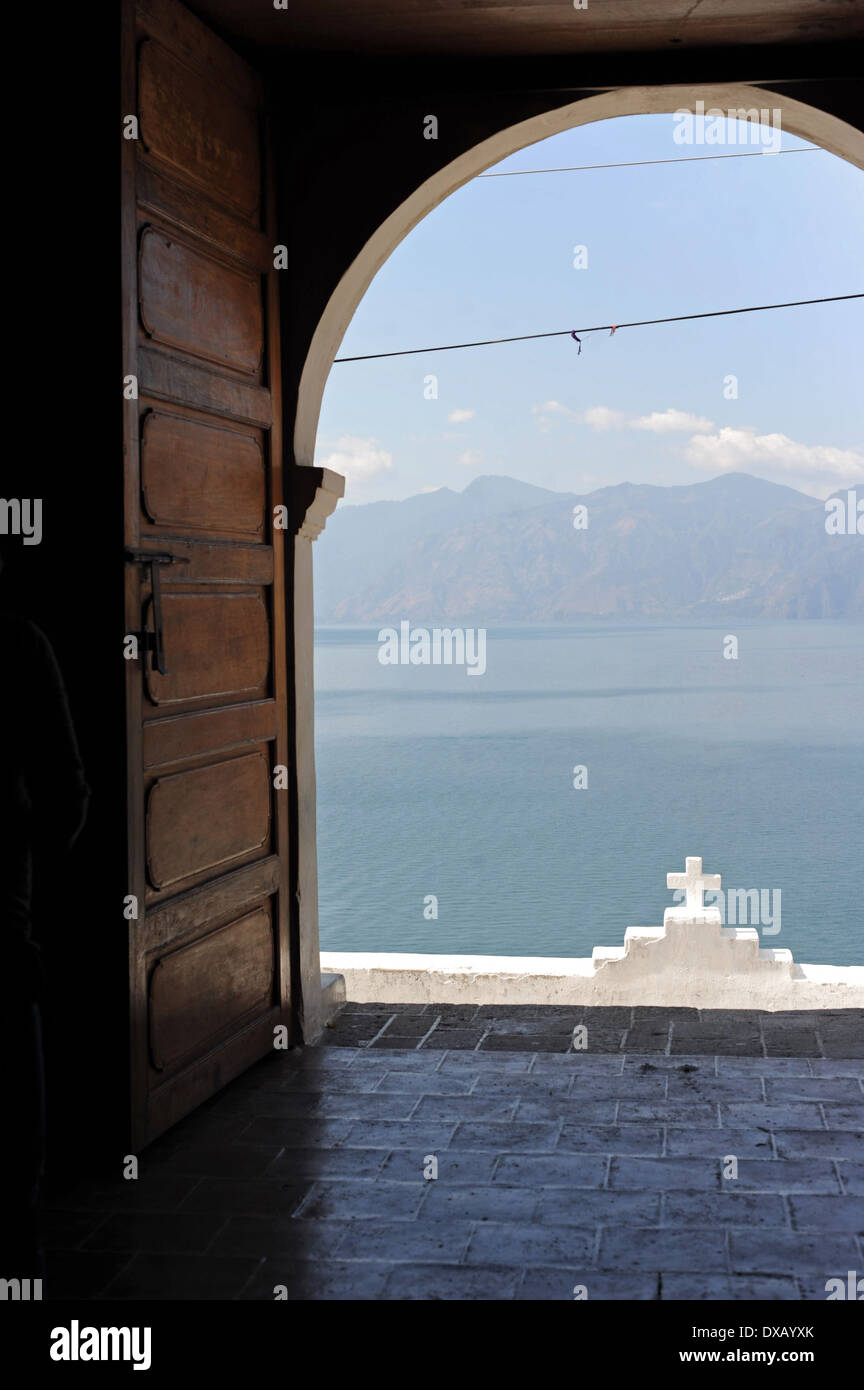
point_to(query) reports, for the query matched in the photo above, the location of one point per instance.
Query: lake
(435, 783)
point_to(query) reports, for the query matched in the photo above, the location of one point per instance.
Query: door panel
(197, 475)
(187, 124)
(192, 301)
(205, 818)
(219, 645)
(202, 993)
(209, 956)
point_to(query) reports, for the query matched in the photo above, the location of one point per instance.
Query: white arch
(807, 122)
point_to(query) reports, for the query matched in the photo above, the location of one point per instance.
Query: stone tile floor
(555, 1167)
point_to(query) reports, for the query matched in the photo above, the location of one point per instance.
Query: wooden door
(206, 733)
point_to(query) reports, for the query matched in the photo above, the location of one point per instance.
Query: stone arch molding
(807, 122)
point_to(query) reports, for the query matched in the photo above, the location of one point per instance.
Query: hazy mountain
(503, 550)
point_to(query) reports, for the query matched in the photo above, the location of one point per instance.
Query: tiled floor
(608, 1168)
(490, 1027)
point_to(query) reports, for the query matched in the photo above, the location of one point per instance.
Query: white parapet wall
(692, 961)
(675, 966)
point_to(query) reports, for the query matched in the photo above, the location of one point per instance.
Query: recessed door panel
(199, 478)
(193, 302)
(216, 645)
(198, 130)
(205, 818)
(203, 992)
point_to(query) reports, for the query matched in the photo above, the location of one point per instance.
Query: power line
(634, 163)
(599, 328)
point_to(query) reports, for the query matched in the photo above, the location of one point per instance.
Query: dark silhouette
(43, 804)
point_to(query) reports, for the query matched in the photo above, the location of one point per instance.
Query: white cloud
(819, 468)
(554, 408)
(600, 417)
(672, 421)
(357, 459)
(458, 417)
(472, 458)
(545, 412)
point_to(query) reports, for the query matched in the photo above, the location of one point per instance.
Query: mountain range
(504, 550)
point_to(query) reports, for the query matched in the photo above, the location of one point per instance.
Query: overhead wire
(599, 328)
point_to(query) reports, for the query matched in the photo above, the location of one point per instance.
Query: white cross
(696, 883)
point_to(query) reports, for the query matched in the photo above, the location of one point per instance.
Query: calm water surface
(434, 782)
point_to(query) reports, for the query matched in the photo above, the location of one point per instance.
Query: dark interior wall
(70, 586)
(67, 396)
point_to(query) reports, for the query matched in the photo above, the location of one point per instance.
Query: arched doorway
(805, 121)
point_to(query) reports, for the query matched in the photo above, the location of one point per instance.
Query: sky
(650, 405)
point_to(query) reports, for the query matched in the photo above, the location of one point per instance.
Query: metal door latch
(155, 641)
